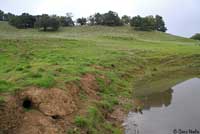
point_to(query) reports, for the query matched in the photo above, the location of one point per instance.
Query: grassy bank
(125, 58)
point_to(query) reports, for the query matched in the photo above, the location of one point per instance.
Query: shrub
(196, 36)
(143, 24)
(109, 19)
(8, 16)
(160, 24)
(1, 15)
(47, 23)
(126, 19)
(82, 21)
(136, 22)
(23, 21)
(148, 23)
(66, 20)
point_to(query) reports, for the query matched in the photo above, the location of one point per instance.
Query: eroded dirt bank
(49, 111)
(36, 111)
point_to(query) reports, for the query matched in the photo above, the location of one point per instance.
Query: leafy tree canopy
(110, 19)
(82, 21)
(148, 23)
(47, 23)
(66, 20)
(25, 20)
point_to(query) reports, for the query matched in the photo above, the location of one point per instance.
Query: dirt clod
(10, 116)
(50, 101)
(118, 115)
(89, 85)
(34, 122)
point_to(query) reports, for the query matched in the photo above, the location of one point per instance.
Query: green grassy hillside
(88, 32)
(124, 56)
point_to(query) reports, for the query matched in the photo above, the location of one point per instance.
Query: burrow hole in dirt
(27, 103)
(55, 117)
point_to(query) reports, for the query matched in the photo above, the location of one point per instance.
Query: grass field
(131, 60)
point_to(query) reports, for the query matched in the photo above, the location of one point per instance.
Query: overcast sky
(182, 17)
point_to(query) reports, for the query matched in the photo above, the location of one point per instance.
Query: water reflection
(157, 100)
(161, 113)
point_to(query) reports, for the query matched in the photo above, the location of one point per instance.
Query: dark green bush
(148, 23)
(47, 23)
(196, 36)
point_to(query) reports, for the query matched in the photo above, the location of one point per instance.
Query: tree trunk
(45, 28)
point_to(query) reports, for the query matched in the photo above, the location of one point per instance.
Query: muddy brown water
(176, 111)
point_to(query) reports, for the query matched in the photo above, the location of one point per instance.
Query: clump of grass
(81, 121)
(94, 115)
(19, 69)
(105, 105)
(111, 130)
(108, 103)
(2, 99)
(95, 123)
(35, 75)
(70, 78)
(82, 95)
(42, 80)
(73, 131)
(28, 66)
(128, 106)
(8, 70)
(41, 70)
(6, 86)
(45, 81)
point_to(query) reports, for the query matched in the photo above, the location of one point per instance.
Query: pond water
(176, 111)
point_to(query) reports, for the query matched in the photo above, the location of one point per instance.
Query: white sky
(182, 17)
